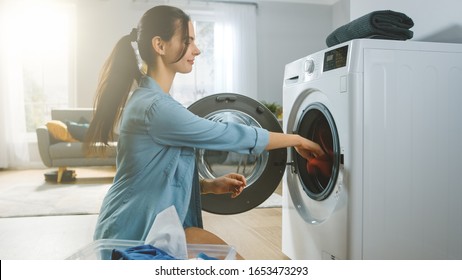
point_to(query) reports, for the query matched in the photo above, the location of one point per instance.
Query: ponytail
(116, 80)
(121, 70)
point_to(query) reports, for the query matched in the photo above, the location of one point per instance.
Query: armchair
(61, 154)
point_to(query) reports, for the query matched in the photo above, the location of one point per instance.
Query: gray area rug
(51, 199)
(47, 199)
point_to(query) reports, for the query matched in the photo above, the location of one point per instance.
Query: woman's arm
(235, 183)
(306, 148)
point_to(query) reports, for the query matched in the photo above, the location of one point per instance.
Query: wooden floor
(256, 234)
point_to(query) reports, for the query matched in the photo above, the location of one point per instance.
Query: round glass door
(263, 172)
(213, 164)
(318, 175)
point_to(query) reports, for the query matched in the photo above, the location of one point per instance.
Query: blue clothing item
(156, 162)
(142, 252)
(149, 252)
(204, 256)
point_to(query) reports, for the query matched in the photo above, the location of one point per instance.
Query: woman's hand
(309, 149)
(231, 183)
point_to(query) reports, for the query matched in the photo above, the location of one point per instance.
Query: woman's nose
(196, 51)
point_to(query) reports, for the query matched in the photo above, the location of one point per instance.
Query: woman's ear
(158, 45)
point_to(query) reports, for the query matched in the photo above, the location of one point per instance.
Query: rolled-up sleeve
(261, 140)
(172, 124)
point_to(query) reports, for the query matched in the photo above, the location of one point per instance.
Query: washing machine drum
(318, 174)
(263, 172)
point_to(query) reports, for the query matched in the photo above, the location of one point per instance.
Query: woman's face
(175, 47)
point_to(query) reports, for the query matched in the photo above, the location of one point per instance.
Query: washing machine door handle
(226, 98)
(230, 98)
(292, 166)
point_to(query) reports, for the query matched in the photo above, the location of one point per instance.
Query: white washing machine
(389, 116)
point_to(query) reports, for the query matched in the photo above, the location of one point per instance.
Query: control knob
(309, 66)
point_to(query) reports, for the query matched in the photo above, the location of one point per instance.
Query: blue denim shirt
(156, 162)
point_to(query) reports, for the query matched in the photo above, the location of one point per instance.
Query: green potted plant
(275, 108)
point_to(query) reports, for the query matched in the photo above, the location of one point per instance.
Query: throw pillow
(58, 130)
(77, 130)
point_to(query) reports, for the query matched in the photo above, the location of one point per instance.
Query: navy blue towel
(376, 25)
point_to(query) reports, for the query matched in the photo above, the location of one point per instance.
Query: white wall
(437, 21)
(286, 31)
(340, 13)
(100, 24)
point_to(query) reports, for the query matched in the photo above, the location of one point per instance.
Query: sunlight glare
(39, 28)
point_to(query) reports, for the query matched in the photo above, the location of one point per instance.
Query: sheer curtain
(35, 51)
(14, 149)
(236, 49)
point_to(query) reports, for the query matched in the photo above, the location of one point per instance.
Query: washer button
(309, 66)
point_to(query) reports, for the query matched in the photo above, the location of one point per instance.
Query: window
(226, 36)
(40, 45)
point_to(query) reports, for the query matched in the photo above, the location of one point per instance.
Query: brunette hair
(121, 70)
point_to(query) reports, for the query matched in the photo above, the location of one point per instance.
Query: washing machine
(388, 115)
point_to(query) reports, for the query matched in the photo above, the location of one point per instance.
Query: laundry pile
(384, 24)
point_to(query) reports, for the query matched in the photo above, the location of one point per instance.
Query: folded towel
(378, 25)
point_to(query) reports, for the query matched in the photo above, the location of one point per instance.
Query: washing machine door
(315, 184)
(263, 172)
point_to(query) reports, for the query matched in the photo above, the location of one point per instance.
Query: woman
(158, 136)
